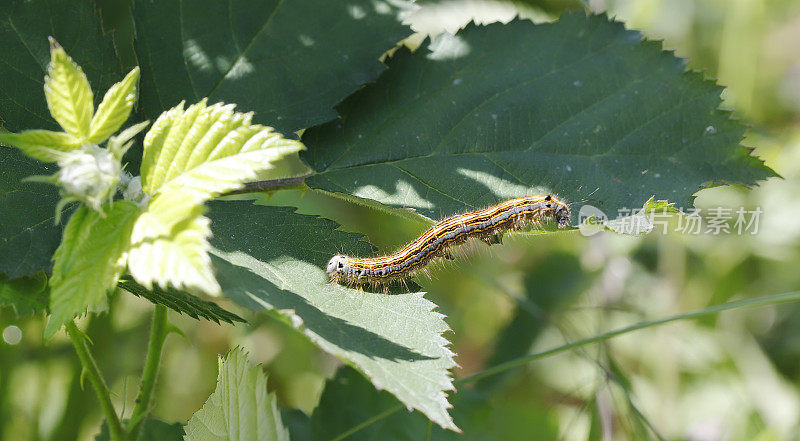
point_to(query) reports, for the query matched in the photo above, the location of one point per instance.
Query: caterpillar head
(337, 266)
(560, 210)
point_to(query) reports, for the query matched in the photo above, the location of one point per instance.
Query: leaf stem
(158, 333)
(502, 367)
(274, 184)
(96, 378)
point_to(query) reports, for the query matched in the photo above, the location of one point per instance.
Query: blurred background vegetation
(734, 376)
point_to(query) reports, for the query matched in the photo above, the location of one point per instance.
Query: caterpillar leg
(495, 238)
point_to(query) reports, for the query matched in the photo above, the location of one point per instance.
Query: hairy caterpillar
(488, 224)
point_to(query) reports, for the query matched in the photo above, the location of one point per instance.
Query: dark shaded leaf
(181, 301)
(28, 236)
(25, 52)
(290, 61)
(569, 107)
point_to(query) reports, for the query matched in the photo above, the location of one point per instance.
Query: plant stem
(275, 184)
(96, 378)
(158, 333)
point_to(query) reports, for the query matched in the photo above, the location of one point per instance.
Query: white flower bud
(90, 174)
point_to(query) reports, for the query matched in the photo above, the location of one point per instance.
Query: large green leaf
(396, 340)
(501, 111)
(25, 54)
(240, 409)
(290, 61)
(28, 236)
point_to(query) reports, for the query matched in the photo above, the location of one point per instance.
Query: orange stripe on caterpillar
(488, 224)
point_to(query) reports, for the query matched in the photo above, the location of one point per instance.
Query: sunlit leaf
(176, 257)
(43, 145)
(240, 409)
(272, 258)
(113, 111)
(190, 157)
(69, 96)
(89, 260)
(209, 150)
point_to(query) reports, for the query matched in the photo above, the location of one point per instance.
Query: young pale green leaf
(119, 144)
(240, 409)
(43, 145)
(582, 108)
(68, 94)
(209, 150)
(26, 295)
(89, 260)
(181, 302)
(190, 157)
(113, 111)
(172, 253)
(395, 340)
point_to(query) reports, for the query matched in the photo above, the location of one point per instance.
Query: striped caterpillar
(488, 225)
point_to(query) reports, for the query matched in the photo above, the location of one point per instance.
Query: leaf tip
(53, 43)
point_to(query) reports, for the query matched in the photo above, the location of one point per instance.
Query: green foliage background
(736, 373)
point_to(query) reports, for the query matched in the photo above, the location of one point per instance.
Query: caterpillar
(488, 225)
